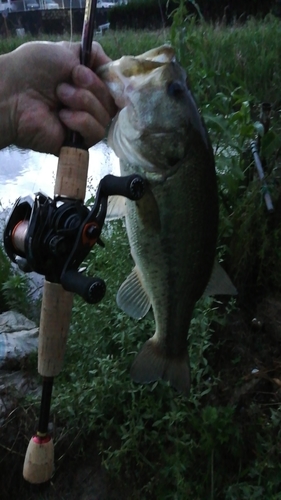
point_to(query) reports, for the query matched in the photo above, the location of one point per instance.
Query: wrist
(7, 102)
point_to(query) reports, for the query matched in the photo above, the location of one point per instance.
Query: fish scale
(175, 264)
(172, 230)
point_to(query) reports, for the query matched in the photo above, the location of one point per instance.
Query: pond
(24, 172)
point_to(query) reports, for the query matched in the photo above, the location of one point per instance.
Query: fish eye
(175, 89)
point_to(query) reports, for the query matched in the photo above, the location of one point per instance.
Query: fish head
(158, 119)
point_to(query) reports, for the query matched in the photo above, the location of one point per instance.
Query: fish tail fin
(152, 364)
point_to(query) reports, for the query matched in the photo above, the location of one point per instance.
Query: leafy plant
(14, 287)
(15, 291)
(5, 269)
(213, 446)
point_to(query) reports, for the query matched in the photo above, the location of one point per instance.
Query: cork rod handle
(71, 181)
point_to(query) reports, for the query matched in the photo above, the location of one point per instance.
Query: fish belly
(172, 232)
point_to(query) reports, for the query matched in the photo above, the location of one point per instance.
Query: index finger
(98, 56)
(86, 78)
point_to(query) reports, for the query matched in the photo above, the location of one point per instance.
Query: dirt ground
(252, 336)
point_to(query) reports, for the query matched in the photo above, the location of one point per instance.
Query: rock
(12, 321)
(18, 338)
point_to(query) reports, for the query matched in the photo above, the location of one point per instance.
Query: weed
(156, 441)
(15, 291)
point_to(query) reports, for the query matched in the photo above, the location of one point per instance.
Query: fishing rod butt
(38, 465)
(54, 325)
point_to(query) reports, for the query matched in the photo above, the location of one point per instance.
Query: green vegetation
(232, 70)
(13, 287)
(4, 275)
(224, 442)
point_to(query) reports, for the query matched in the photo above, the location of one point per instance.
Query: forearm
(7, 102)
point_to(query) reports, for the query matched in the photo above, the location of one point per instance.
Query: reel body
(52, 237)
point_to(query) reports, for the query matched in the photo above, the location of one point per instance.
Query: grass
(217, 57)
(223, 443)
(114, 43)
(221, 58)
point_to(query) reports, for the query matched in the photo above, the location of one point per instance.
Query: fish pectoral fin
(132, 297)
(219, 283)
(153, 364)
(116, 207)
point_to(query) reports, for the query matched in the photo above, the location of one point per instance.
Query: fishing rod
(259, 167)
(255, 149)
(71, 180)
(52, 237)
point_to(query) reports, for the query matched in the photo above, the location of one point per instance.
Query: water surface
(24, 172)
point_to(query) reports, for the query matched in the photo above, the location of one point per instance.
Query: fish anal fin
(132, 297)
(219, 283)
(152, 364)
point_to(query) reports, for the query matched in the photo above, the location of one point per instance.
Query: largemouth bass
(172, 230)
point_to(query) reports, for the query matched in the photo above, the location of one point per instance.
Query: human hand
(40, 79)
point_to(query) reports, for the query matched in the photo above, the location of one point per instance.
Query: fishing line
(70, 22)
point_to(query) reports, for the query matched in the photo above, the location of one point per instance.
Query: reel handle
(92, 290)
(131, 186)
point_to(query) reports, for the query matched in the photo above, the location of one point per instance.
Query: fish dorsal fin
(132, 298)
(163, 54)
(116, 207)
(219, 283)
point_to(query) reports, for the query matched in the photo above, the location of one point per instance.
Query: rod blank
(267, 197)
